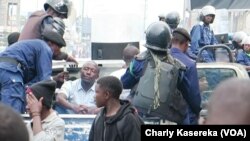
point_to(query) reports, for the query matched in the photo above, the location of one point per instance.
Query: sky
(30, 6)
(113, 7)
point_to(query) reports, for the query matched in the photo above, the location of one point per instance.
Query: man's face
(89, 72)
(247, 48)
(100, 96)
(208, 19)
(55, 48)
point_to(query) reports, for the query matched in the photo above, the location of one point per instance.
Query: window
(209, 78)
(12, 14)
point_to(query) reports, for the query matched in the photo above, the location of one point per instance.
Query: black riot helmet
(173, 19)
(158, 36)
(58, 25)
(61, 6)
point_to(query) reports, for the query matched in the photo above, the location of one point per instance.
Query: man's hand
(35, 109)
(72, 59)
(60, 77)
(34, 105)
(90, 110)
(79, 109)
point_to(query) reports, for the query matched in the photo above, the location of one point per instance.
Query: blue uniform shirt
(193, 97)
(36, 57)
(134, 72)
(243, 58)
(202, 35)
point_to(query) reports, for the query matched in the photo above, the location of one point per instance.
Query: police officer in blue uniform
(244, 56)
(237, 42)
(24, 63)
(202, 34)
(158, 38)
(180, 41)
(173, 20)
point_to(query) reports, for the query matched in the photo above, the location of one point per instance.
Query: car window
(209, 78)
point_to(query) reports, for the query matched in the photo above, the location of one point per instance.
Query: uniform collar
(176, 50)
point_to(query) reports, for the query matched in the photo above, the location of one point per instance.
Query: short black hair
(13, 128)
(13, 37)
(178, 38)
(129, 53)
(45, 89)
(111, 84)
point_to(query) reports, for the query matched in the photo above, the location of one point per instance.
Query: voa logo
(233, 132)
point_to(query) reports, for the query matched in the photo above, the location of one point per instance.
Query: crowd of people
(27, 84)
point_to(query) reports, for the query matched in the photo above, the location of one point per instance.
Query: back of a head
(129, 52)
(111, 84)
(12, 127)
(158, 37)
(181, 35)
(173, 19)
(229, 103)
(13, 37)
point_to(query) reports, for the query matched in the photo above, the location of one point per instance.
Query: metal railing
(214, 48)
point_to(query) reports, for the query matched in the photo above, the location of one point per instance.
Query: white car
(212, 74)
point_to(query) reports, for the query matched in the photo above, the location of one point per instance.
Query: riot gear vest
(156, 93)
(32, 29)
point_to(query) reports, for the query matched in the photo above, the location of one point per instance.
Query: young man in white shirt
(46, 125)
